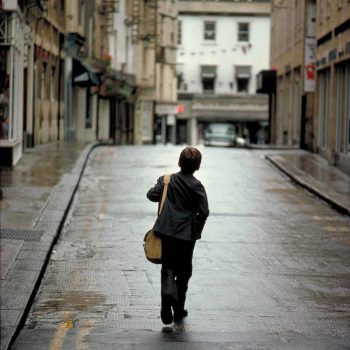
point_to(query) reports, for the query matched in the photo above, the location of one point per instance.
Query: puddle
(75, 301)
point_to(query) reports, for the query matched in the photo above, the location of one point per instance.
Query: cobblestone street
(272, 269)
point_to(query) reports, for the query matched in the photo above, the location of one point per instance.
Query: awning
(208, 72)
(84, 74)
(242, 71)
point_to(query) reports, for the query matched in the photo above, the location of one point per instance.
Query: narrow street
(272, 269)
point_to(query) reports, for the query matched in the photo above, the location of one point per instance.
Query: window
(209, 31)
(5, 97)
(208, 79)
(81, 12)
(329, 8)
(179, 75)
(43, 91)
(323, 108)
(242, 84)
(242, 78)
(179, 32)
(61, 5)
(53, 87)
(243, 31)
(343, 108)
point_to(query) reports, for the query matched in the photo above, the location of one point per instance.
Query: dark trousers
(176, 271)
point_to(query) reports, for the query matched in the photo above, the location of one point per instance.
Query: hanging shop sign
(309, 65)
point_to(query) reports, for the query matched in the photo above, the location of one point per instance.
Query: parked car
(220, 134)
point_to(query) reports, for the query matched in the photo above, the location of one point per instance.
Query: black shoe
(166, 315)
(179, 315)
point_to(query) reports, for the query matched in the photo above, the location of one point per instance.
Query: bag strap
(166, 181)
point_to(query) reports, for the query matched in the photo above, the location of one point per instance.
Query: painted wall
(225, 52)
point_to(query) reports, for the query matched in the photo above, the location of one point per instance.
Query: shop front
(119, 90)
(11, 88)
(165, 123)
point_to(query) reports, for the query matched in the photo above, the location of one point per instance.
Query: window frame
(241, 32)
(205, 30)
(179, 32)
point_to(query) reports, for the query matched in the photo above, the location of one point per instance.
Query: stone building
(142, 47)
(293, 44)
(19, 50)
(49, 32)
(332, 97)
(153, 26)
(86, 70)
(86, 59)
(310, 50)
(222, 45)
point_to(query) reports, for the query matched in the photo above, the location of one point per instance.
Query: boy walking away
(179, 225)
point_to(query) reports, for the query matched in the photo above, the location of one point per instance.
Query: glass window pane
(209, 30)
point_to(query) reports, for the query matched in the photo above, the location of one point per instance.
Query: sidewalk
(316, 175)
(36, 196)
(38, 193)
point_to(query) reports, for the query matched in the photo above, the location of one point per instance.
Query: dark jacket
(185, 208)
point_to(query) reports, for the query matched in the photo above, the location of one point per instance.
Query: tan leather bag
(153, 244)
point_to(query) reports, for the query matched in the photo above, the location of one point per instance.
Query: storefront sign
(9, 5)
(180, 108)
(164, 109)
(309, 67)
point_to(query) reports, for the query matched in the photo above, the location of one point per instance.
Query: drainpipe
(59, 86)
(68, 65)
(97, 116)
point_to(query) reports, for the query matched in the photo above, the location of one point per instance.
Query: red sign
(310, 71)
(180, 109)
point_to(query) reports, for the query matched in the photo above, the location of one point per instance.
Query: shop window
(4, 95)
(343, 108)
(209, 31)
(243, 32)
(323, 108)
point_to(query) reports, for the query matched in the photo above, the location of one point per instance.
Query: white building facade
(220, 52)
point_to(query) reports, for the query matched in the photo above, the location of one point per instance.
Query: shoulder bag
(153, 244)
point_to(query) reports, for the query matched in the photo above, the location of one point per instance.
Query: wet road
(272, 270)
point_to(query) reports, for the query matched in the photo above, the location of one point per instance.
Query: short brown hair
(190, 160)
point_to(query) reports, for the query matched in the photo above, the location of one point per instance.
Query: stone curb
(36, 257)
(316, 190)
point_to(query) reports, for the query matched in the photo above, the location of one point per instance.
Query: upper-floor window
(243, 74)
(179, 32)
(329, 8)
(243, 31)
(208, 75)
(209, 31)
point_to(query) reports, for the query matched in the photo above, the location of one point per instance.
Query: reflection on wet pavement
(273, 264)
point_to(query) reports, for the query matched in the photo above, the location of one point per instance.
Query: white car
(220, 134)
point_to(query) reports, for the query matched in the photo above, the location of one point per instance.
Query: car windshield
(221, 128)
